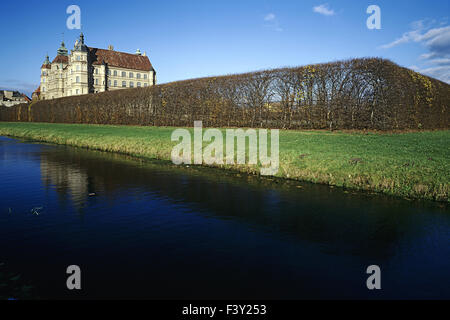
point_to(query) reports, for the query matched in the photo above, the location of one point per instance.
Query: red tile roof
(61, 59)
(120, 59)
(46, 66)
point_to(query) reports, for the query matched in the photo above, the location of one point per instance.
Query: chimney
(138, 52)
(111, 47)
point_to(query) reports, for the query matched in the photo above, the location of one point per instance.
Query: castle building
(91, 70)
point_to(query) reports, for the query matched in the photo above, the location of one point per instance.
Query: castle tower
(58, 81)
(45, 72)
(79, 68)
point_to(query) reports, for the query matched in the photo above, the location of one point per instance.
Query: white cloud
(269, 17)
(271, 22)
(324, 9)
(441, 61)
(441, 72)
(435, 37)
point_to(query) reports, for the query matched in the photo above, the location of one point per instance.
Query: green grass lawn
(411, 165)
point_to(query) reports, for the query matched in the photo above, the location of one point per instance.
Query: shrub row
(368, 93)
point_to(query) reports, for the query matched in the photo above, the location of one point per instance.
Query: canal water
(150, 230)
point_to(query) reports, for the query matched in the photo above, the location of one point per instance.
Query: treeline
(369, 93)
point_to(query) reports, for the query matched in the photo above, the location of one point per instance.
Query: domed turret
(62, 51)
(46, 64)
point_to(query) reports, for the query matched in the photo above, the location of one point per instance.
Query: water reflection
(205, 233)
(344, 223)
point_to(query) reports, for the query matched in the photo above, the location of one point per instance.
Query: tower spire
(46, 60)
(79, 44)
(62, 51)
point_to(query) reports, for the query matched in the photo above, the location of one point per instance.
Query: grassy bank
(412, 165)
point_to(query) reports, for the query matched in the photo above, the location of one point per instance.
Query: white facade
(91, 70)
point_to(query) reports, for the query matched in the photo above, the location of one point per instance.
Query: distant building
(91, 70)
(9, 98)
(36, 94)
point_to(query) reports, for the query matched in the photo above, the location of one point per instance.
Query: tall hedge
(368, 93)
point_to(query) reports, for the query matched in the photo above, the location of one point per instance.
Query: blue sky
(196, 38)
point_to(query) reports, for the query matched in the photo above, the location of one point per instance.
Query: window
(131, 84)
(138, 75)
(43, 89)
(78, 68)
(145, 76)
(96, 70)
(124, 74)
(96, 82)
(115, 83)
(78, 59)
(43, 80)
(109, 72)
(115, 73)
(109, 83)
(139, 84)
(131, 75)
(78, 80)
(145, 84)
(124, 84)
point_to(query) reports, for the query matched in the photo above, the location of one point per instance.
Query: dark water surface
(158, 231)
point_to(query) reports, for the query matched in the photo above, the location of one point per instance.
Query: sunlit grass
(412, 165)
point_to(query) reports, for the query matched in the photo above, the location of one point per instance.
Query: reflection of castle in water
(267, 206)
(67, 180)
